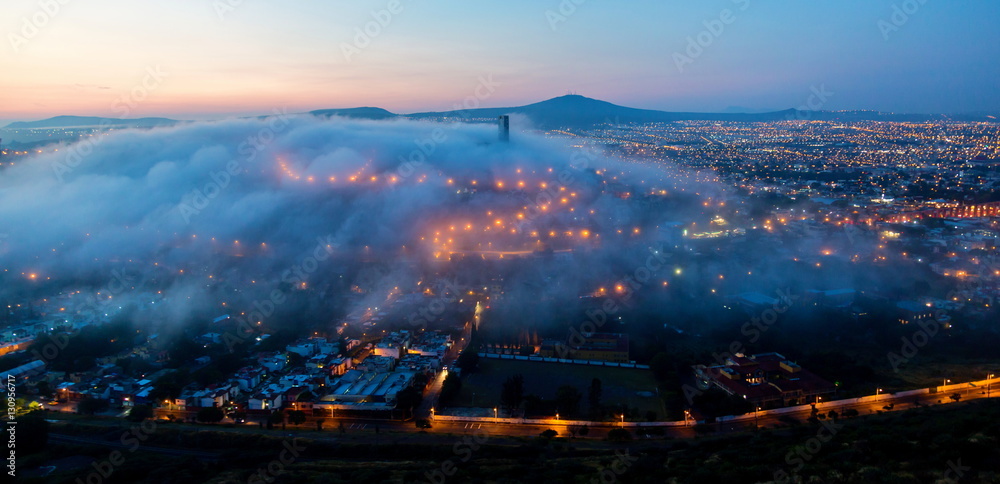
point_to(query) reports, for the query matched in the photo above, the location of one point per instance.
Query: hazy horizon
(214, 60)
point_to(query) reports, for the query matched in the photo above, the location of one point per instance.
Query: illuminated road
(765, 418)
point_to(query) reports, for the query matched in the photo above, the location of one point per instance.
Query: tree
(956, 397)
(32, 433)
(210, 414)
(584, 431)
(409, 398)
(548, 434)
(296, 417)
(44, 389)
(594, 398)
(568, 400)
(90, 406)
(512, 393)
(295, 360)
(420, 380)
(276, 417)
(449, 388)
(140, 413)
(468, 360)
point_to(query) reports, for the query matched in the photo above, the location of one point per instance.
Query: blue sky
(89, 57)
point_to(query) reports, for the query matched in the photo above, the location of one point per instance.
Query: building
(611, 347)
(766, 380)
(503, 123)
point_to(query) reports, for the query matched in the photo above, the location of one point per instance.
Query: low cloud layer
(241, 204)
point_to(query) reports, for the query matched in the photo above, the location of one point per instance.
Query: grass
(619, 385)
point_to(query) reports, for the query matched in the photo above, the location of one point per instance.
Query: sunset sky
(92, 57)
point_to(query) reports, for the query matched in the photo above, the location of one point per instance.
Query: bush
(619, 435)
(210, 414)
(140, 413)
(548, 434)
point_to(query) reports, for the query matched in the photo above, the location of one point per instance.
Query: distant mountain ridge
(88, 121)
(578, 111)
(357, 113)
(564, 111)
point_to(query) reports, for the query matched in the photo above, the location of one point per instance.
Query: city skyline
(228, 58)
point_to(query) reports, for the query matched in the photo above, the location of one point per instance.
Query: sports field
(635, 388)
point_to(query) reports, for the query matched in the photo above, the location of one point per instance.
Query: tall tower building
(503, 123)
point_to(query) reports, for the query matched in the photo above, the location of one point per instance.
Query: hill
(357, 113)
(89, 121)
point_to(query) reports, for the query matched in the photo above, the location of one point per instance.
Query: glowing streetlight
(495, 416)
(623, 420)
(877, 391)
(988, 384)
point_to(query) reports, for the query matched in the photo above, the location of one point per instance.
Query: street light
(877, 391)
(495, 416)
(687, 414)
(623, 420)
(988, 384)
(946, 382)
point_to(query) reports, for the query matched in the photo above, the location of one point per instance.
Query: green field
(619, 385)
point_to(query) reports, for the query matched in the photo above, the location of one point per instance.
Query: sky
(206, 59)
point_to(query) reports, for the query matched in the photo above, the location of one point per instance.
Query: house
(267, 400)
(303, 347)
(765, 380)
(299, 398)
